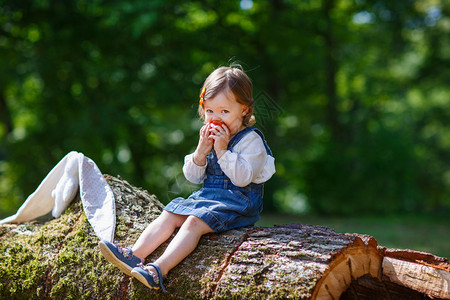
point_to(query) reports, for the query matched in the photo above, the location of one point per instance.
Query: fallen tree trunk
(59, 259)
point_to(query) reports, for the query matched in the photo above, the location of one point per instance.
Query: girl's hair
(230, 79)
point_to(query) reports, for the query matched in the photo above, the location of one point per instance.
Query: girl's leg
(157, 233)
(184, 242)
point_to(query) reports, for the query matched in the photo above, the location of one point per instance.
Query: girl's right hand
(205, 144)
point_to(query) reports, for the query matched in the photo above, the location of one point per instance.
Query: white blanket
(74, 172)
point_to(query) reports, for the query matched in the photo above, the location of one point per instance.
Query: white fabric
(247, 162)
(59, 188)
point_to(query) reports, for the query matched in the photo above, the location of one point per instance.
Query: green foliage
(351, 95)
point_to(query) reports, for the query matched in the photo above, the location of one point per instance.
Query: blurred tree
(352, 95)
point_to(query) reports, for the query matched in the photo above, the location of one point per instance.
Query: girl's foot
(122, 258)
(150, 275)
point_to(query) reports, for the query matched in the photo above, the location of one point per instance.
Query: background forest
(353, 96)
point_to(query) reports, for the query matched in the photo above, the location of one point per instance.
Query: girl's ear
(244, 110)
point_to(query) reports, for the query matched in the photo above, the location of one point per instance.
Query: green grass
(421, 233)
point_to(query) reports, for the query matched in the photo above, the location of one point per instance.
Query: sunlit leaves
(120, 81)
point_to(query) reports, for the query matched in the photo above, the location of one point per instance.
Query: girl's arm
(195, 164)
(205, 144)
(193, 172)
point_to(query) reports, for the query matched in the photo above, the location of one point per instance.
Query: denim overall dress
(219, 203)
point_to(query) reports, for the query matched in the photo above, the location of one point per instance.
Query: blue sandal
(148, 277)
(122, 258)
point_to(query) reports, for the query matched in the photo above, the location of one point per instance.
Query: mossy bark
(59, 258)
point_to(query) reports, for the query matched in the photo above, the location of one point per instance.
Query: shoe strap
(160, 277)
(125, 251)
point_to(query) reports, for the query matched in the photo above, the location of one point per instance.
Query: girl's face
(224, 107)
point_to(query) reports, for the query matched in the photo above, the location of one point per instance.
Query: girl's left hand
(221, 137)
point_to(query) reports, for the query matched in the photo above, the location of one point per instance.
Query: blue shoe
(122, 258)
(148, 277)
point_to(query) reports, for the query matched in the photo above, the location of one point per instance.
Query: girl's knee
(196, 224)
(175, 219)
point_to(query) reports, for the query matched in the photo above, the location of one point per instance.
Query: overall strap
(269, 152)
(242, 133)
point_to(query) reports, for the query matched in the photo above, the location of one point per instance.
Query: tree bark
(59, 259)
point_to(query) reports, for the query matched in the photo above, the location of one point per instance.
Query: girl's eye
(225, 111)
(209, 111)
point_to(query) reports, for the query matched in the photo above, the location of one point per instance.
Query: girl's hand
(221, 137)
(205, 144)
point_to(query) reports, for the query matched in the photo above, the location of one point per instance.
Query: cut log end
(361, 258)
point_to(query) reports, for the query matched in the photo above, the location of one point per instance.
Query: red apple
(217, 123)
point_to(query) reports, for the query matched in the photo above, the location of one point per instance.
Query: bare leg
(157, 233)
(183, 243)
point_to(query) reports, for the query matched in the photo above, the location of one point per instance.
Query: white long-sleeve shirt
(247, 162)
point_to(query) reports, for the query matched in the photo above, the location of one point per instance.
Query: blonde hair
(232, 79)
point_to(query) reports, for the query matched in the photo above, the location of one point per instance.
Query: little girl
(232, 160)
